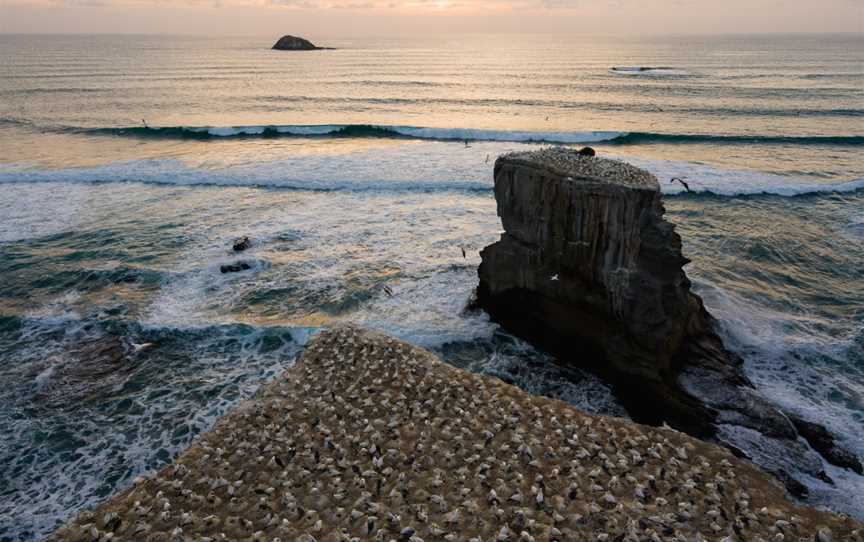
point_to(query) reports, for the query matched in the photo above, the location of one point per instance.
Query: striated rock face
(293, 43)
(588, 269)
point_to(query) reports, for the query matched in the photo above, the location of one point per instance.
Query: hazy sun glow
(373, 17)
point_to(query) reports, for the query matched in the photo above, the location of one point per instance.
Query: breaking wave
(356, 131)
(396, 170)
(454, 134)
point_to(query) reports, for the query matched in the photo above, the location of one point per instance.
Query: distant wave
(647, 137)
(640, 68)
(648, 70)
(354, 130)
(458, 134)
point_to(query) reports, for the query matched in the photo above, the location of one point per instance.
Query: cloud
(410, 17)
(399, 5)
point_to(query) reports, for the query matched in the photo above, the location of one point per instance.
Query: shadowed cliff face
(588, 269)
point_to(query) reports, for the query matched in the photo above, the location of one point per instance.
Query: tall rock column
(588, 269)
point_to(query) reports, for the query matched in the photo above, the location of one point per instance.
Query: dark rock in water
(293, 43)
(587, 151)
(241, 244)
(235, 267)
(821, 440)
(588, 269)
(639, 68)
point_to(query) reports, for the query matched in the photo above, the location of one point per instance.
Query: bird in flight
(685, 185)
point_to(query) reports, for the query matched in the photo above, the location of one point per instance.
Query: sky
(354, 18)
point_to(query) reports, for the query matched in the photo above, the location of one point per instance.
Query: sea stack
(588, 269)
(293, 43)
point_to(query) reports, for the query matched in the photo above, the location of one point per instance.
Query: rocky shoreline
(368, 438)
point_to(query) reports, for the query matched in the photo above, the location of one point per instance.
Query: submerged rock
(588, 269)
(293, 43)
(234, 267)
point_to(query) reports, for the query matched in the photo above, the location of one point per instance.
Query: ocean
(129, 164)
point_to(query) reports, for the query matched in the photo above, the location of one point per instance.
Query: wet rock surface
(240, 244)
(367, 438)
(823, 442)
(234, 267)
(588, 269)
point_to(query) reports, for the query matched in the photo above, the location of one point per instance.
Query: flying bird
(685, 185)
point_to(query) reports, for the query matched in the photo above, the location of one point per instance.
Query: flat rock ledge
(368, 438)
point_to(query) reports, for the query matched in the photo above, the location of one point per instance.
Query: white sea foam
(855, 227)
(417, 166)
(471, 134)
(60, 310)
(39, 210)
(844, 494)
(384, 170)
(725, 182)
(428, 311)
(43, 377)
(112, 443)
(826, 389)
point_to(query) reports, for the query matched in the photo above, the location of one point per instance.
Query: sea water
(129, 164)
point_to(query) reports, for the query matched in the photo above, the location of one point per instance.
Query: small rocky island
(368, 438)
(293, 43)
(588, 269)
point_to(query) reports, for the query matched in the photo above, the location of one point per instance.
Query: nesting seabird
(349, 443)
